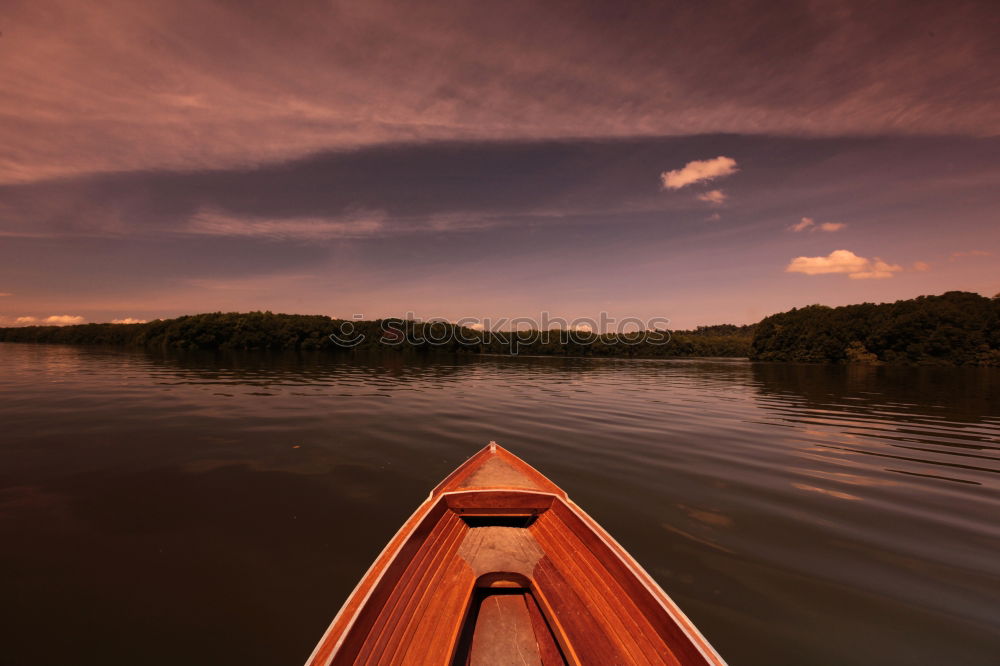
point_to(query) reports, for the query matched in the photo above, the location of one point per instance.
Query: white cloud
(878, 270)
(715, 197)
(802, 225)
(810, 224)
(838, 261)
(128, 320)
(698, 171)
(843, 261)
(54, 320)
(64, 320)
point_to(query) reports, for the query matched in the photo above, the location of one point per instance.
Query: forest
(957, 328)
(269, 331)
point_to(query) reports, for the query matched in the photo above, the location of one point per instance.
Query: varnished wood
(503, 632)
(561, 588)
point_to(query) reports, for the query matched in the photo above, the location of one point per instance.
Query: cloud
(810, 224)
(54, 320)
(801, 225)
(843, 261)
(878, 270)
(215, 223)
(357, 223)
(64, 320)
(921, 266)
(714, 217)
(970, 253)
(714, 197)
(698, 171)
(128, 320)
(5, 293)
(232, 85)
(838, 261)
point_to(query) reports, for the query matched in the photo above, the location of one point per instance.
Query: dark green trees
(956, 327)
(268, 331)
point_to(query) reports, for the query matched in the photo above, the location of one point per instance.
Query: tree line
(959, 328)
(269, 331)
(954, 328)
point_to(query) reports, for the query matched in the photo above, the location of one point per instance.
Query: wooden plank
(548, 648)
(625, 605)
(621, 622)
(503, 502)
(504, 633)
(406, 616)
(684, 640)
(516, 473)
(584, 633)
(592, 590)
(623, 619)
(500, 549)
(412, 581)
(351, 625)
(433, 633)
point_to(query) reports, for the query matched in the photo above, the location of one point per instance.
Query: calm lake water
(218, 508)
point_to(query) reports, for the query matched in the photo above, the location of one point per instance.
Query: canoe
(499, 566)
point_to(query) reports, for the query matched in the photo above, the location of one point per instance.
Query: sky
(709, 162)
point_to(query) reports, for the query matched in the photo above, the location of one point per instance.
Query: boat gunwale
(656, 591)
(393, 546)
